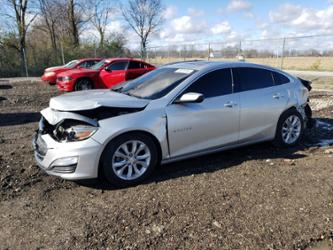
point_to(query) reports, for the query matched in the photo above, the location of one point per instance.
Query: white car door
(261, 103)
(212, 123)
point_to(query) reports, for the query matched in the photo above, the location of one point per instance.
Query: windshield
(71, 64)
(99, 65)
(154, 84)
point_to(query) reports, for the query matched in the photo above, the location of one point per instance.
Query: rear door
(135, 69)
(114, 73)
(214, 122)
(261, 103)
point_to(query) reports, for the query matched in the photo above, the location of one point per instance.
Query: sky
(232, 21)
(189, 21)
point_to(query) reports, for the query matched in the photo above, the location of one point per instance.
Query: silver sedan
(178, 111)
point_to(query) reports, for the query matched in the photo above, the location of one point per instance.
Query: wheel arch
(152, 136)
(291, 108)
(82, 78)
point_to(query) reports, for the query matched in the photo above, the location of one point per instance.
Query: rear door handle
(277, 96)
(229, 104)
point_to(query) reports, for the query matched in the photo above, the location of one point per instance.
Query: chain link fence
(293, 53)
(313, 53)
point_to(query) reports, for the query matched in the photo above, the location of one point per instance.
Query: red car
(50, 74)
(105, 74)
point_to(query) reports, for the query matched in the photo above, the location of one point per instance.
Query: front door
(113, 74)
(213, 123)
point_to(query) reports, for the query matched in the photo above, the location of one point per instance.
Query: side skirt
(209, 151)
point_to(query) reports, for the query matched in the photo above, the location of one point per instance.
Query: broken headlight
(69, 131)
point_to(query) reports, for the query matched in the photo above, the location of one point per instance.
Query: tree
(19, 11)
(144, 17)
(100, 17)
(50, 13)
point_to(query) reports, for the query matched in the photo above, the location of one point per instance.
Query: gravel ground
(256, 197)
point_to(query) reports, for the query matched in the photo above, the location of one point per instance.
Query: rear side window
(213, 84)
(280, 79)
(135, 65)
(252, 78)
(117, 66)
(146, 66)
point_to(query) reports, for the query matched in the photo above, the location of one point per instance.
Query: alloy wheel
(131, 160)
(291, 129)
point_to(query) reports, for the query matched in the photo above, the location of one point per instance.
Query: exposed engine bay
(77, 125)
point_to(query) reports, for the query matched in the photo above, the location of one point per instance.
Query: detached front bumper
(71, 160)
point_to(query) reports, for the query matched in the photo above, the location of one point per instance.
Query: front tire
(83, 84)
(129, 159)
(289, 130)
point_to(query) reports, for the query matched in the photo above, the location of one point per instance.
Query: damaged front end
(77, 125)
(62, 146)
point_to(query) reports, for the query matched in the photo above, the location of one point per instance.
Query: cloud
(221, 28)
(183, 29)
(304, 19)
(285, 13)
(170, 12)
(250, 14)
(186, 24)
(238, 5)
(194, 12)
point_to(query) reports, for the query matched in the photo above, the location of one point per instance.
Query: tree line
(35, 34)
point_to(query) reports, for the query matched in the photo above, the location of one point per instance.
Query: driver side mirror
(107, 69)
(190, 97)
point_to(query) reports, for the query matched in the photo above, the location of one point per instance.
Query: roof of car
(123, 58)
(200, 65)
(90, 58)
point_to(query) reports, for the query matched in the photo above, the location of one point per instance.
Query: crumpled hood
(91, 99)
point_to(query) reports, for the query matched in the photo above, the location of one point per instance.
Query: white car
(178, 111)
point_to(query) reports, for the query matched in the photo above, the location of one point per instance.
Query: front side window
(99, 65)
(88, 64)
(216, 83)
(117, 66)
(252, 78)
(155, 84)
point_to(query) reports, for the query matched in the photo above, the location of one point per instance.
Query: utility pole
(25, 63)
(209, 51)
(282, 52)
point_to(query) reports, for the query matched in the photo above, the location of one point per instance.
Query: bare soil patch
(256, 197)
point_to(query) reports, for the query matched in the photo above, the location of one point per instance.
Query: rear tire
(290, 129)
(83, 84)
(129, 159)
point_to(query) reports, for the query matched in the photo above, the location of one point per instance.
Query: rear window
(252, 78)
(280, 79)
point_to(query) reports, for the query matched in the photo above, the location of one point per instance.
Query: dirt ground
(256, 197)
